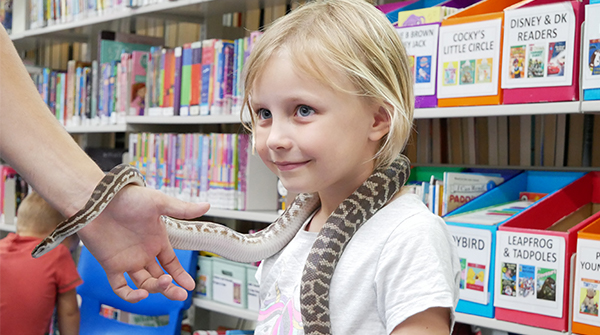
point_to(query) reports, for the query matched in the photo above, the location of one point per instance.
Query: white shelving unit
(173, 120)
(8, 227)
(568, 107)
(590, 106)
(197, 11)
(258, 216)
(226, 309)
(115, 128)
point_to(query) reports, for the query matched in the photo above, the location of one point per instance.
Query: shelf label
(587, 283)
(530, 273)
(469, 59)
(474, 250)
(421, 44)
(538, 47)
(253, 296)
(227, 290)
(591, 47)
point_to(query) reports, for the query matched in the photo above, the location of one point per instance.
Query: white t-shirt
(399, 263)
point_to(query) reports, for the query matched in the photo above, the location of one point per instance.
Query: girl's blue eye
(304, 111)
(264, 114)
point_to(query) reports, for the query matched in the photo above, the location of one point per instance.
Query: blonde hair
(354, 39)
(37, 216)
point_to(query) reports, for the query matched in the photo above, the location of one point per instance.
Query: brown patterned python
(350, 215)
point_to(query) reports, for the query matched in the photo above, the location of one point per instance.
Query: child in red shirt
(31, 288)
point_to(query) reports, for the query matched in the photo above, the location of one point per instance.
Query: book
(111, 44)
(557, 56)
(138, 70)
(516, 65)
(490, 215)
(186, 80)
(177, 68)
(208, 57)
(535, 61)
(462, 187)
(196, 78)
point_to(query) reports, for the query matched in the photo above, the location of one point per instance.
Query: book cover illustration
(139, 70)
(594, 57)
(463, 272)
(588, 297)
(423, 69)
(531, 196)
(484, 70)
(460, 188)
(467, 72)
(557, 57)
(509, 279)
(475, 277)
(535, 61)
(516, 64)
(526, 281)
(450, 69)
(546, 283)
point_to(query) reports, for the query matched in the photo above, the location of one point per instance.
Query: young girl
(330, 94)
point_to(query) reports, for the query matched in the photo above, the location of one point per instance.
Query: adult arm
(67, 313)
(433, 321)
(128, 236)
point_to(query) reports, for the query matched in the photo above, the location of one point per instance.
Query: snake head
(45, 246)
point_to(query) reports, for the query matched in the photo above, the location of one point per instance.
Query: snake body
(324, 255)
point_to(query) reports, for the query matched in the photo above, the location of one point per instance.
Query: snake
(375, 192)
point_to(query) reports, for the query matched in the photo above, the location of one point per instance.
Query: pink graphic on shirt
(284, 317)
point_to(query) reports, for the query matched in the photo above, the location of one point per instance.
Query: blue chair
(96, 291)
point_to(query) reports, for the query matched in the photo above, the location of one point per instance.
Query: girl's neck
(318, 220)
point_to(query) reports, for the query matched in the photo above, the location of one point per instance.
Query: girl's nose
(279, 135)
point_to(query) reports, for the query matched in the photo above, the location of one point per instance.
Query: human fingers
(180, 209)
(123, 291)
(170, 263)
(161, 284)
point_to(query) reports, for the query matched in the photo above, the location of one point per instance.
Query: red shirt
(29, 287)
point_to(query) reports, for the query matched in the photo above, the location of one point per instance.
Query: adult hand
(129, 237)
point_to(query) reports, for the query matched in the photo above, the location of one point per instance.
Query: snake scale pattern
(331, 241)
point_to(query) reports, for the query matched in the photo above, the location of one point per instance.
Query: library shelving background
(74, 55)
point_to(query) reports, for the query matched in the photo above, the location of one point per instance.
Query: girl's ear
(381, 123)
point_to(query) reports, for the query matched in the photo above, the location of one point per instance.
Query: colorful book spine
(196, 78)
(112, 68)
(161, 95)
(186, 80)
(228, 70)
(176, 96)
(169, 81)
(206, 95)
(95, 92)
(52, 93)
(87, 73)
(76, 119)
(104, 110)
(70, 91)
(59, 101)
(138, 66)
(243, 149)
(123, 79)
(216, 107)
(45, 86)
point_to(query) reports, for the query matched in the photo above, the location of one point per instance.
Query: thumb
(180, 209)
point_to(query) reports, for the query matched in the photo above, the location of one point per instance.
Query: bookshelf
(590, 106)
(200, 11)
(257, 216)
(569, 107)
(174, 120)
(115, 128)
(226, 309)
